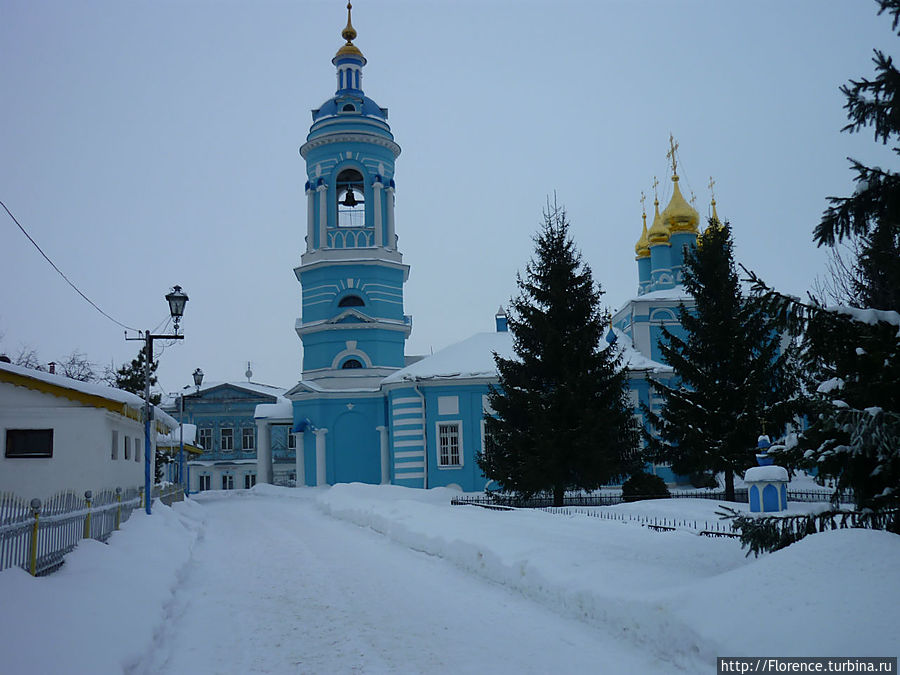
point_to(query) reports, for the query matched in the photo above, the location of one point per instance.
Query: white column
(263, 452)
(385, 456)
(379, 236)
(391, 238)
(320, 456)
(310, 220)
(323, 215)
(299, 461)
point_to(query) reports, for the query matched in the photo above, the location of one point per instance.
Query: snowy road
(283, 588)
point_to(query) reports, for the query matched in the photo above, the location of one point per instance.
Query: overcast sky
(146, 144)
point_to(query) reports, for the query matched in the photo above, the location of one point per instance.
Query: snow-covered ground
(382, 579)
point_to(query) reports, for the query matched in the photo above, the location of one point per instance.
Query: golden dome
(659, 232)
(349, 34)
(642, 247)
(679, 215)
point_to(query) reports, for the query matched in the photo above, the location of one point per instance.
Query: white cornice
(328, 139)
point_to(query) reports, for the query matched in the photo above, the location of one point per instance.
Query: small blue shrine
(766, 483)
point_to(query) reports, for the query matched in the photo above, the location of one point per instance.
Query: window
(22, 443)
(448, 445)
(127, 447)
(350, 364)
(206, 439)
(351, 301)
(292, 440)
(205, 482)
(249, 480)
(247, 443)
(227, 440)
(137, 449)
(227, 482)
(351, 209)
(348, 107)
(115, 445)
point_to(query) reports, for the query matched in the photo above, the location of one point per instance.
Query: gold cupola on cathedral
(349, 34)
(679, 216)
(659, 232)
(642, 247)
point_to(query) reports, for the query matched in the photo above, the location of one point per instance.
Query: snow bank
(683, 597)
(101, 609)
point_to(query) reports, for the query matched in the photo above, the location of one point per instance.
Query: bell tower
(352, 323)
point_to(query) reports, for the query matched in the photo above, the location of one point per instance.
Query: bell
(349, 198)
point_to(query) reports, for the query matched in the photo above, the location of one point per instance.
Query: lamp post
(176, 299)
(186, 480)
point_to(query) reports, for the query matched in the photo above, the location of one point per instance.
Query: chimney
(52, 365)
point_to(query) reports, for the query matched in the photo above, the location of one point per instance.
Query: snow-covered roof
(675, 293)
(471, 358)
(758, 474)
(474, 358)
(282, 409)
(111, 394)
(174, 436)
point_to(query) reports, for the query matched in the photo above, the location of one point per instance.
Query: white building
(59, 434)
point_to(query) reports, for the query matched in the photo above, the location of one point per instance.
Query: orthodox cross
(673, 146)
(643, 210)
(655, 183)
(711, 187)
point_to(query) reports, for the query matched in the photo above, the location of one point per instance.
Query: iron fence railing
(37, 535)
(613, 498)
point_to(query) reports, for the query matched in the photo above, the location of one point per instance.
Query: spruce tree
(852, 354)
(562, 419)
(732, 376)
(871, 215)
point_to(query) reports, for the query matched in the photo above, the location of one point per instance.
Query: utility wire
(59, 271)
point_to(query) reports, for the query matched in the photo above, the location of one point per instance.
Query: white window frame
(249, 480)
(128, 447)
(230, 431)
(206, 435)
(227, 481)
(115, 444)
(292, 440)
(245, 436)
(205, 482)
(439, 444)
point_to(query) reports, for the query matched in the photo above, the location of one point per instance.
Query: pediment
(351, 316)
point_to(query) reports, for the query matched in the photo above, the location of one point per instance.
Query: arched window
(351, 209)
(351, 301)
(350, 364)
(348, 107)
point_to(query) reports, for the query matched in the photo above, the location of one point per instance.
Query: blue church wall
(406, 439)
(679, 241)
(383, 348)
(379, 286)
(352, 444)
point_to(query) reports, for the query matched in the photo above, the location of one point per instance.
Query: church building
(364, 410)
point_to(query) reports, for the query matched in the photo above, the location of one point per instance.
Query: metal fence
(37, 535)
(613, 498)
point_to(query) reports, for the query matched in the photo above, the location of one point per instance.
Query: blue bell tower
(352, 324)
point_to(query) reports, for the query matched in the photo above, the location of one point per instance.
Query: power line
(59, 271)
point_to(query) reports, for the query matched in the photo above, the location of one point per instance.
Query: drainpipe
(424, 430)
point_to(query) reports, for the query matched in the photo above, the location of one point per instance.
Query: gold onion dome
(659, 232)
(349, 34)
(679, 215)
(642, 247)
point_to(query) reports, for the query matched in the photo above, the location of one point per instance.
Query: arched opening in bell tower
(351, 208)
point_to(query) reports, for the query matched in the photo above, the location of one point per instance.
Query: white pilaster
(323, 215)
(379, 236)
(385, 456)
(391, 237)
(320, 457)
(300, 459)
(263, 452)
(310, 220)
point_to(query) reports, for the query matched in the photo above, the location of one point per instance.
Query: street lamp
(176, 299)
(198, 379)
